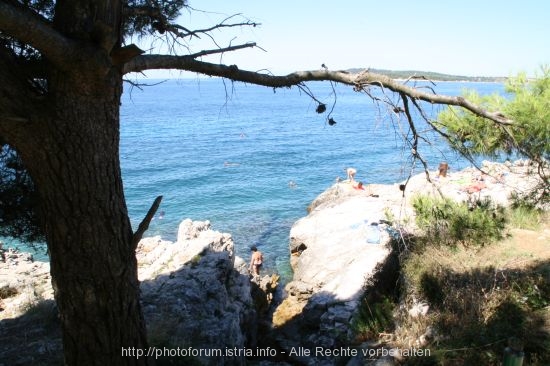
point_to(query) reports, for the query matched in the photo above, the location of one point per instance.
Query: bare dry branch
(414, 93)
(222, 50)
(358, 80)
(182, 32)
(144, 225)
(223, 24)
(414, 150)
(141, 86)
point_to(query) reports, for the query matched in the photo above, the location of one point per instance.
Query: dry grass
(478, 298)
(7, 291)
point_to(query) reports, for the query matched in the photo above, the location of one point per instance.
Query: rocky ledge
(341, 249)
(195, 293)
(194, 290)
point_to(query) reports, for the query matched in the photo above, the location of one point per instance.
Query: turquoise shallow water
(226, 153)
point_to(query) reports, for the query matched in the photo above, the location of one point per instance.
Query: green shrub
(447, 222)
(523, 214)
(524, 217)
(373, 319)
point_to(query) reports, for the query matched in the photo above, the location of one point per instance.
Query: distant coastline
(433, 76)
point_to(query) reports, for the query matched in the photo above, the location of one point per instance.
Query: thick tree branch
(149, 11)
(368, 78)
(29, 27)
(358, 80)
(16, 94)
(188, 63)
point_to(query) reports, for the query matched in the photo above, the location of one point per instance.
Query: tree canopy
(17, 199)
(528, 135)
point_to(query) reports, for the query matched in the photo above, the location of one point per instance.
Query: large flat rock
(336, 254)
(333, 252)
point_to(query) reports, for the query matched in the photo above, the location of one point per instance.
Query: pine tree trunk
(93, 265)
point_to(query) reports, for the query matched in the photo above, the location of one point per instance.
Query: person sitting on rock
(351, 174)
(442, 169)
(256, 261)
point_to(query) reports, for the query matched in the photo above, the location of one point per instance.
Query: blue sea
(250, 159)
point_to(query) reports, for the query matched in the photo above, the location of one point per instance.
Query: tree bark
(68, 138)
(77, 174)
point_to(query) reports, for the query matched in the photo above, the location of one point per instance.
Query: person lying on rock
(256, 261)
(361, 187)
(478, 183)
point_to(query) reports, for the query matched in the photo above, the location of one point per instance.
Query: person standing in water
(256, 261)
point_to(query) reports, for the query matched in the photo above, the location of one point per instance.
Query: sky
(466, 37)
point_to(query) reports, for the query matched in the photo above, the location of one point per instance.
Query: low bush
(447, 222)
(524, 215)
(373, 318)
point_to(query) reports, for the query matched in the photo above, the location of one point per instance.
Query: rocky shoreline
(342, 249)
(195, 289)
(192, 291)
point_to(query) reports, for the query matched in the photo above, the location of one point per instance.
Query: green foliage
(160, 15)
(527, 105)
(530, 109)
(525, 217)
(524, 212)
(18, 200)
(142, 17)
(373, 319)
(447, 222)
(472, 135)
(533, 290)
(195, 260)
